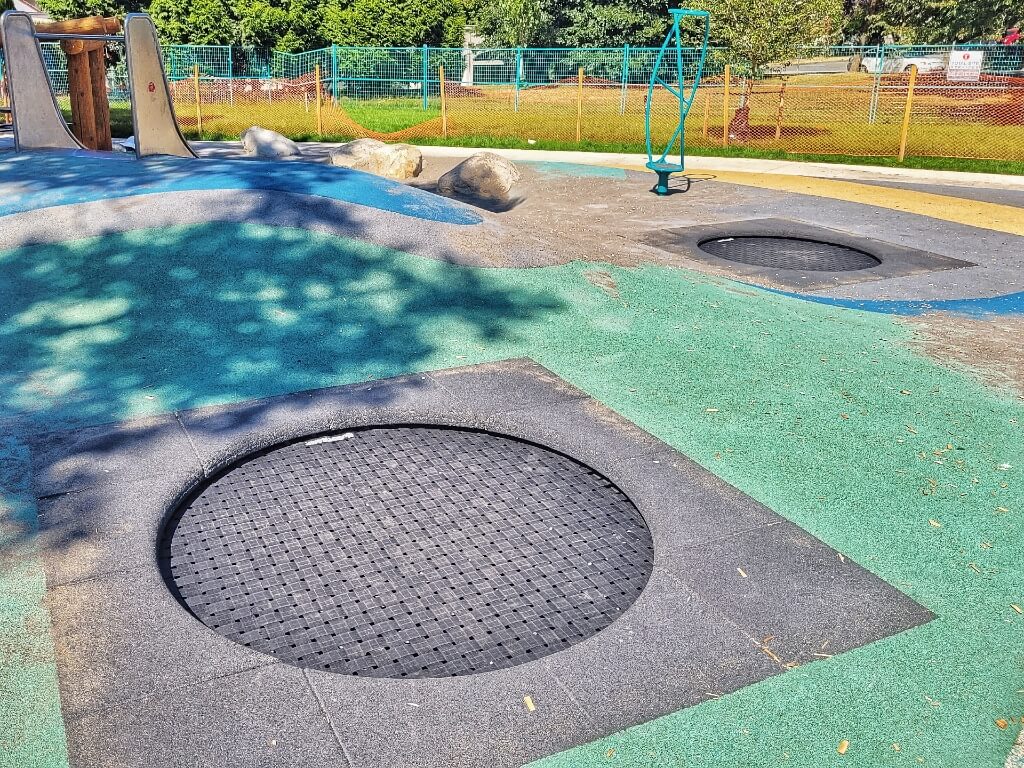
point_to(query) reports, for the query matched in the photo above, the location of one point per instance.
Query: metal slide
(38, 122)
(156, 130)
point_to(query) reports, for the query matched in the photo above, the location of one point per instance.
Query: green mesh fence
(966, 101)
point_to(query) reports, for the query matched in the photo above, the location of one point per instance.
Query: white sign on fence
(965, 66)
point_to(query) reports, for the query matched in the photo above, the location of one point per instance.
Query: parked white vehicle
(903, 60)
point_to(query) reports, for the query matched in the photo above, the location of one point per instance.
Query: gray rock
(394, 161)
(261, 142)
(484, 175)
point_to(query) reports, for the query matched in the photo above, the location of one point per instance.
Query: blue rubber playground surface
(989, 306)
(60, 177)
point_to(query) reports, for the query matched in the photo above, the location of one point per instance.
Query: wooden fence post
(778, 111)
(444, 103)
(725, 106)
(199, 108)
(579, 106)
(319, 111)
(906, 111)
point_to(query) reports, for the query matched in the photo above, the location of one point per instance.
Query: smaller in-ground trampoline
(791, 254)
(796, 253)
(408, 551)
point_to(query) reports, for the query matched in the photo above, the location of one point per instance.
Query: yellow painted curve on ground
(974, 213)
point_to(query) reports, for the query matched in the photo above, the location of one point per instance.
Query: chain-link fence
(953, 101)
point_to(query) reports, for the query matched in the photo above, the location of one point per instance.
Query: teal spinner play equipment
(671, 74)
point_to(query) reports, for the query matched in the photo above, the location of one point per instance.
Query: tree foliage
(610, 24)
(393, 23)
(761, 32)
(518, 23)
(931, 21)
(199, 22)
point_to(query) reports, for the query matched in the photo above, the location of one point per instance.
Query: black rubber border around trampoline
(896, 260)
(163, 689)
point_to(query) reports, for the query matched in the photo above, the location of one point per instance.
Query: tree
(193, 22)
(76, 9)
(286, 25)
(518, 21)
(392, 23)
(949, 21)
(762, 32)
(614, 24)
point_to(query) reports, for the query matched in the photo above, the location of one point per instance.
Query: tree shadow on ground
(153, 321)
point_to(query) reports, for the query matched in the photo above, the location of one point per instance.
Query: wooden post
(87, 77)
(319, 112)
(83, 107)
(725, 106)
(100, 101)
(444, 103)
(199, 102)
(906, 112)
(579, 106)
(778, 111)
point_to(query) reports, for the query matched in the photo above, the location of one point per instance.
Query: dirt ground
(557, 218)
(988, 349)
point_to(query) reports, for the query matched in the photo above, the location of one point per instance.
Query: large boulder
(484, 175)
(261, 142)
(394, 161)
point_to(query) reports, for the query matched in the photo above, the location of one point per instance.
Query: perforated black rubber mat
(408, 552)
(789, 253)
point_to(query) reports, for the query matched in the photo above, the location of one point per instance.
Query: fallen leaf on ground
(843, 746)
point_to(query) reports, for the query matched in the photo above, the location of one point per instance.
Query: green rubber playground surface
(825, 414)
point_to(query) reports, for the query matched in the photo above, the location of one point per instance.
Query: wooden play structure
(38, 121)
(87, 75)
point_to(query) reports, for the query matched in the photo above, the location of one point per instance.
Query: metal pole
(625, 78)
(334, 74)
(231, 75)
(519, 76)
(426, 75)
(707, 111)
(725, 106)
(579, 107)
(319, 111)
(879, 66)
(199, 109)
(444, 103)
(906, 112)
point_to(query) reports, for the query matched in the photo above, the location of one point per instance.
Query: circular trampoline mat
(789, 253)
(407, 551)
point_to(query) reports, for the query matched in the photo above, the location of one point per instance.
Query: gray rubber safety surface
(789, 253)
(407, 551)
